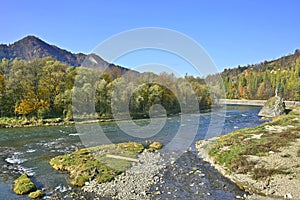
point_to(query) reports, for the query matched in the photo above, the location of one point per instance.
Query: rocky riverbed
(189, 177)
(152, 178)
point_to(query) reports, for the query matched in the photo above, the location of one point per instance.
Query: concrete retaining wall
(253, 102)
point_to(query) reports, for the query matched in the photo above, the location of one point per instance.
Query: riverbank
(265, 161)
(24, 122)
(14, 122)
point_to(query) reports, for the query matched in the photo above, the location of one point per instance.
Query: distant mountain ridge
(31, 47)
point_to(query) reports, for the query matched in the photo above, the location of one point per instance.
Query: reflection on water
(30, 149)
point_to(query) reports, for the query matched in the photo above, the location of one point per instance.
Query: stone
(273, 107)
(288, 196)
(35, 195)
(23, 185)
(155, 146)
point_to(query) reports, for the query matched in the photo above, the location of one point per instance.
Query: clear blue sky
(233, 32)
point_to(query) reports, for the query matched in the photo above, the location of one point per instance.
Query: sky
(232, 32)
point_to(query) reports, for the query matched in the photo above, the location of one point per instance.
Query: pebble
(288, 196)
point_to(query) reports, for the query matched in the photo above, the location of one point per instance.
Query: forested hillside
(262, 80)
(43, 88)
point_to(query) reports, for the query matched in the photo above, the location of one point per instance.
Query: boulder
(23, 185)
(155, 146)
(35, 195)
(273, 107)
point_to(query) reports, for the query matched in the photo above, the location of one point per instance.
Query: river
(30, 149)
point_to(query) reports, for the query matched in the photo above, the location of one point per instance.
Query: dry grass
(259, 141)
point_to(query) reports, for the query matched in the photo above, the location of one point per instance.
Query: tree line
(45, 88)
(263, 80)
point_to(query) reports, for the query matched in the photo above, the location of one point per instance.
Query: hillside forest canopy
(43, 88)
(261, 81)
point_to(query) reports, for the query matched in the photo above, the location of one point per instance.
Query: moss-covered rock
(273, 107)
(131, 146)
(35, 195)
(23, 185)
(155, 146)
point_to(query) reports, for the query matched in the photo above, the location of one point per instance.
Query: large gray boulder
(273, 107)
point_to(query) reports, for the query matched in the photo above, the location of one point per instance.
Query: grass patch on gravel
(92, 163)
(262, 173)
(232, 149)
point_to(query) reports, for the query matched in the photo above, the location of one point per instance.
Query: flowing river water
(30, 149)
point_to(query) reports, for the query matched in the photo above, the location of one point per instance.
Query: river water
(30, 149)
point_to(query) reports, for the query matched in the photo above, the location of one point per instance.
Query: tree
(23, 86)
(52, 81)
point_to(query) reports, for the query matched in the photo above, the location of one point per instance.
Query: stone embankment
(252, 102)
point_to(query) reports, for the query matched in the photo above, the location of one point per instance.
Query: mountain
(31, 47)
